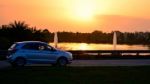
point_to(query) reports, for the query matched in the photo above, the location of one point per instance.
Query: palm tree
(18, 25)
(20, 31)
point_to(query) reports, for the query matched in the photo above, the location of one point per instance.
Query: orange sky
(79, 15)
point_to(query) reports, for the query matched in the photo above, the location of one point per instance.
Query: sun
(83, 9)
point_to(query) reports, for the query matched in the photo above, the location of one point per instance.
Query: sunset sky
(79, 15)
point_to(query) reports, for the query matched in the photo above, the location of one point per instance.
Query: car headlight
(70, 55)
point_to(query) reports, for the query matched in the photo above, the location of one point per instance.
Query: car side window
(41, 47)
(44, 47)
(31, 46)
(37, 46)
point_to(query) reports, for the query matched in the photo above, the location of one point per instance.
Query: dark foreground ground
(76, 75)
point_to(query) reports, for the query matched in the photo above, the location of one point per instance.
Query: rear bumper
(9, 59)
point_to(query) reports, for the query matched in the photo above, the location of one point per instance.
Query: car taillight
(10, 52)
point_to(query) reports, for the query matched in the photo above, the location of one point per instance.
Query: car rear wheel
(19, 62)
(62, 62)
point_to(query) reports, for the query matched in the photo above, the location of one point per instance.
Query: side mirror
(51, 48)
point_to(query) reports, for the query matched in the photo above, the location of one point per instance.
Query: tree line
(20, 31)
(102, 37)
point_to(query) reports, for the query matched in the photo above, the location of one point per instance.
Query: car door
(48, 53)
(32, 53)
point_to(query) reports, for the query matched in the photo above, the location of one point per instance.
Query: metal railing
(137, 52)
(96, 54)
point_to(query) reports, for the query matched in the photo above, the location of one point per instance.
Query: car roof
(24, 42)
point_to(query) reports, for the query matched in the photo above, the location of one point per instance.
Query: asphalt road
(86, 63)
(126, 62)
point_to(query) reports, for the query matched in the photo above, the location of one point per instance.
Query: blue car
(37, 52)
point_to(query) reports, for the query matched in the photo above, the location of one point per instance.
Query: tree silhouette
(20, 25)
(20, 31)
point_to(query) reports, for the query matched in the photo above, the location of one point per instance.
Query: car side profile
(37, 52)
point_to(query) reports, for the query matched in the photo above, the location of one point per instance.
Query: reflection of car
(36, 52)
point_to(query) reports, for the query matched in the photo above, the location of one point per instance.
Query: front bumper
(70, 61)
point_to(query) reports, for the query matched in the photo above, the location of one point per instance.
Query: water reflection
(92, 46)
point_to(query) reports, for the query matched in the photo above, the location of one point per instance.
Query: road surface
(86, 63)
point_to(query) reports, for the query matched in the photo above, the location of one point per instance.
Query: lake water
(93, 46)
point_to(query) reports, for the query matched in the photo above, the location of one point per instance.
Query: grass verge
(76, 75)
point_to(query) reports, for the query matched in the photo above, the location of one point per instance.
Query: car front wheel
(62, 62)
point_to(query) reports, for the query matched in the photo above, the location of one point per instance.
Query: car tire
(19, 62)
(62, 62)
